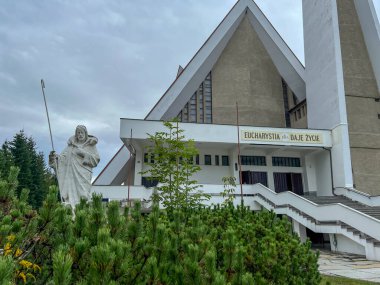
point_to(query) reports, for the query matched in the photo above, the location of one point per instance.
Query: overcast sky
(103, 60)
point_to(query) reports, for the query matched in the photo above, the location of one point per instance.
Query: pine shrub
(103, 244)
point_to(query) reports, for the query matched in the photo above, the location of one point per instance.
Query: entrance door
(253, 177)
(284, 181)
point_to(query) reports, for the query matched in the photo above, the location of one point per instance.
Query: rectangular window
(216, 159)
(197, 159)
(149, 182)
(286, 161)
(253, 160)
(225, 160)
(193, 108)
(207, 159)
(148, 158)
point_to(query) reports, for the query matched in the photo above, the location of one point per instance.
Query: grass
(333, 280)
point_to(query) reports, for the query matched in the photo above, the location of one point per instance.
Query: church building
(303, 141)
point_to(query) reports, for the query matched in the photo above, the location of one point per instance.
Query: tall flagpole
(238, 131)
(129, 175)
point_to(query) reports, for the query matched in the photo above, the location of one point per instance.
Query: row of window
(149, 158)
(276, 161)
(282, 181)
(225, 160)
(253, 160)
(244, 160)
(286, 161)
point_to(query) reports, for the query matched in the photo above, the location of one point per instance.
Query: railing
(121, 192)
(253, 193)
(358, 196)
(143, 193)
(322, 213)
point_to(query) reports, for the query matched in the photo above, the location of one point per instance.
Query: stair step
(368, 210)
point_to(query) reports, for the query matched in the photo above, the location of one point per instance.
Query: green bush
(101, 245)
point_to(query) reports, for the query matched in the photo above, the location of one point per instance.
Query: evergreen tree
(6, 160)
(173, 166)
(33, 173)
(22, 158)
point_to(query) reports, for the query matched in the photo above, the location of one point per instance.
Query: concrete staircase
(368, 210)
(335, 215)
(324, 200)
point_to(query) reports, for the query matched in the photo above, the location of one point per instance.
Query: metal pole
(47, 112)
(238, 130)
(51, 137)
(129, 174)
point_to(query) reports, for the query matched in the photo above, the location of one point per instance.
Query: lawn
(333, 280)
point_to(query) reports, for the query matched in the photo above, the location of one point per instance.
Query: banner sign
(288, 137)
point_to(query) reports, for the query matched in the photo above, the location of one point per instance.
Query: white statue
(74, 166)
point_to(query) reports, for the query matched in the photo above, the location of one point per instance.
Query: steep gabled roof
(287, 64)
(189, 79)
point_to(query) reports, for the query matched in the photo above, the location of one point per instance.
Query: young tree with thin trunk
(173, 166)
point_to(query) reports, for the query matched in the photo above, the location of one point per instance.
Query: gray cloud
(104, 59)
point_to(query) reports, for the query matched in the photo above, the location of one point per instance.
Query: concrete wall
(245, 73)
(371, 30)
(340, 243)
(362, 109)
(323, 171)
(209, 174)
(324, 82)
(318, 172)
(213, 174)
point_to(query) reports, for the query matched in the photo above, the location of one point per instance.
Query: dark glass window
(216, 159)
(148, 158)
(149, 182)
(197, 159)
(225, 160)
(207, 159)
(253, 160)
(199, 107)
(286, 103)
(286, 161)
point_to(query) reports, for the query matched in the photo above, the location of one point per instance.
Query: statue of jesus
(74, 166)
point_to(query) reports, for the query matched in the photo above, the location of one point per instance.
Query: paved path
(349, 265)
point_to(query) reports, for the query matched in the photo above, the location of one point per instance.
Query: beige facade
(363, 107)
(245, 73)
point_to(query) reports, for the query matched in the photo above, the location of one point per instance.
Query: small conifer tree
(173, 166)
